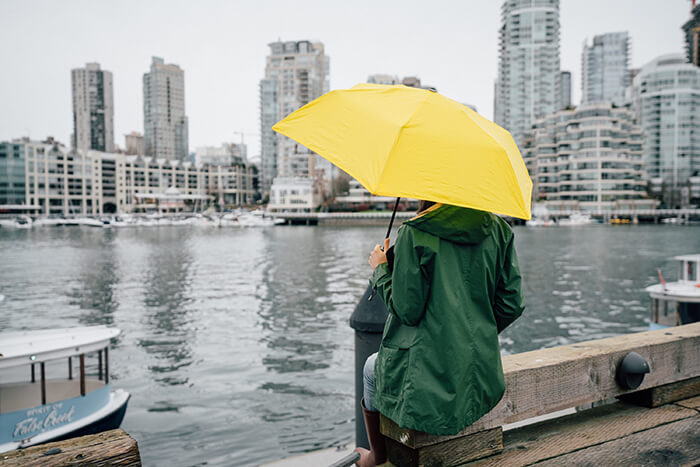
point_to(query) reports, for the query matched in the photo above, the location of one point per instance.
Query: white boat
(19, 222)
(676, 303)
(540, 222)
(258, 219)
(37, 408)
(577, 219)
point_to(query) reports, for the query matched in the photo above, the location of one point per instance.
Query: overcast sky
(221, 45)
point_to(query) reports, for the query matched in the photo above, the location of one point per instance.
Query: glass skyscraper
(666, 98)
(605, 68)
(528, 84)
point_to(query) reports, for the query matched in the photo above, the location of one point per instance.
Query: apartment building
(587, 159)
(93, 108)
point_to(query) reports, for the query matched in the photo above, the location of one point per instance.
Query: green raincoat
(455, 285)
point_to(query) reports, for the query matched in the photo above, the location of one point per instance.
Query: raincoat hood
(455, 224)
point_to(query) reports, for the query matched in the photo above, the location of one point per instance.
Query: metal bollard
(368, 322)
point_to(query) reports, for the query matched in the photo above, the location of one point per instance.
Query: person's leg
(368, 380)
(377, 453)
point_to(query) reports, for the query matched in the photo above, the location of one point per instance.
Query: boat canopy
(26, 347)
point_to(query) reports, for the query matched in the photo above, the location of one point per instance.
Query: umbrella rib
(396, 139)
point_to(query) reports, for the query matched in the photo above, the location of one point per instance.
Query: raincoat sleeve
(509, 298)
(405, 291)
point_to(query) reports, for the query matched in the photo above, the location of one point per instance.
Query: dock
(585, 412)
(370, 218)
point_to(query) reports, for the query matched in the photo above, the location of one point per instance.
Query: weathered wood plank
(692, 403)
(547, 380)
(553, 438)
(449, 453)
(674, 444)
(660, 395)
(113, 447)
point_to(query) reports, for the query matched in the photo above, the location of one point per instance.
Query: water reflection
(166, 315)
(99, 278)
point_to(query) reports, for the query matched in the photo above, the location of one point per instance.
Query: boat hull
(107, 417)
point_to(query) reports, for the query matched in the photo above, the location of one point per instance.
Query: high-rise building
(587, 159)
(528, 71)
(133, 142)
(165, 127)
(226, 154)
(565, 92)
(666, 97)
(296, 72)
(692, 35)
(93, 108)
(605, 68)
(380, 78)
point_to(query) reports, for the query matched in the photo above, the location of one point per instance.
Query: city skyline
(223, 68)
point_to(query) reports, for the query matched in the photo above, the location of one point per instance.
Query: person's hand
(378, 256)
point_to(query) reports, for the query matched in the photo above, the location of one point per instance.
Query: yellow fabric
(415, 143)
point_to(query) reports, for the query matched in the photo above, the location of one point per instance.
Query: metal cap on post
(368, 322)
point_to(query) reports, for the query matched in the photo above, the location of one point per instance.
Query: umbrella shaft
(393, 215)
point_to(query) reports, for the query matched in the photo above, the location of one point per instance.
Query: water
(235, 343)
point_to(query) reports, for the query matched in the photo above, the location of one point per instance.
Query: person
(454, 286)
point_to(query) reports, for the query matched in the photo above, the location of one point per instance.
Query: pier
(650, 216)
(655, 423)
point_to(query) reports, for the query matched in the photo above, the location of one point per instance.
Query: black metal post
(70, 367)
(33, 377)
(43, 384)
(368, 322)
(82, 374)
(99, 365)
(106, 365)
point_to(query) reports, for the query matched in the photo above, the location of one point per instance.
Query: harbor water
(235, 345)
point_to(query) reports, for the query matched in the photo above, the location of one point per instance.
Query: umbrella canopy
(415, 143)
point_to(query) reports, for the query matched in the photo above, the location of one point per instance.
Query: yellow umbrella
(415, 143)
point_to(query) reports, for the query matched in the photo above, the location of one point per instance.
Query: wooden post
(113, 447)
(43, 384)
(82, 374)
(70, 367)
(99, 365)
(106, 365)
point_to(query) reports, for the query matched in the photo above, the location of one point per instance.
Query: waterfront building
(383, 79)
(226, 154)
(605, 68)
(137, 177)
(527, 87)
(293, 194)
(165, 126)
(93, 108)
(59, 180)
(72, 182)
(587, 159)
(666, 99)
(565, 90)
(296, 72)
(692, 35)
(358, 198)
(12, 172)
(133, 142)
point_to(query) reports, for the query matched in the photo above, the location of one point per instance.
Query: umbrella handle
(391, 222)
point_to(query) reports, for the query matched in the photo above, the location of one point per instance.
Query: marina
(235, 342)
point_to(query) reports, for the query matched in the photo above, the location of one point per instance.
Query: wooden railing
(548, 380)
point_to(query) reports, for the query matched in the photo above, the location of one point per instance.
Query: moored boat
(676, 303)
(37, 405)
